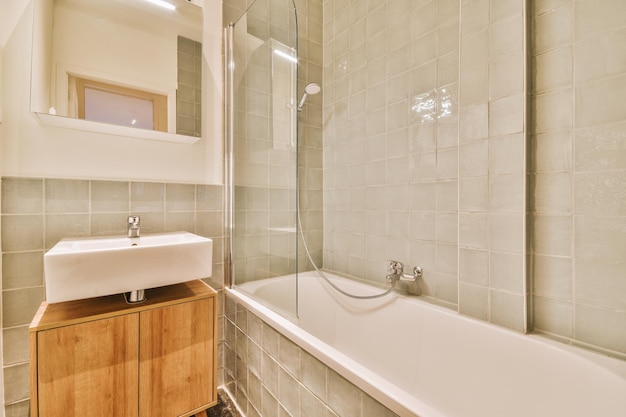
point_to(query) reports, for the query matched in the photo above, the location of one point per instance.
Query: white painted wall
(30, 149)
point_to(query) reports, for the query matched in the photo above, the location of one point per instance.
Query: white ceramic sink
(92, 267)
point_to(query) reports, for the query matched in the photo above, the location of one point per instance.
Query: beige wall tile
(19, 409)
(474, 122)
(506, 154)
(600, 239)
(59, 226)
(551, 152)
(507, 37)
(600, 56)
(474, 301)
(107, 224)
(448, 289)
(601, 284)
(310, 405)
(587, 329)
(553, 276)
(447, 196)
(553, 235)
(506, 272)
(506, 193)
(147, 197)
(66, 196)
(474, 159)
(107, 196)
(23, 269)
(22, 195)
(551, 193)
(22, 233)
(506, 115)
(553, 70)
(343, 397)
(423, 20)
(474, 194)
(600, 102)
(553, 29)
(474, 15)
(423, 253)
(448, 38)
(18, 389)
(423, 166)
(507, 233)
(553, 111)
(592, 20)
(372, 408)
(15, 345)
(474, 267)
(289, 355)
(600, 193)
(447, 227)
(507, 309)
(474, 77)
(600, 148)
(554, 316)
(502, 10)
(152, 222)
(19, 306)
(447, 164)
(474, 230)
(506, 76)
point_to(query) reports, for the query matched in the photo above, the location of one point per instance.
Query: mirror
(128, 67)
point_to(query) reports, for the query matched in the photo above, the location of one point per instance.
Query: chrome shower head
(310, 89)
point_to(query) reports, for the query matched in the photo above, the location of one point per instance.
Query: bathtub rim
(403, 403)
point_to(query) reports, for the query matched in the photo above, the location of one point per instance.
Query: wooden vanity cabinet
(103, 357)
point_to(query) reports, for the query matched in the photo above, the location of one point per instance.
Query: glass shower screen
(261, 66)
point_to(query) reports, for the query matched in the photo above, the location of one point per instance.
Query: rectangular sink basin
(93, 267)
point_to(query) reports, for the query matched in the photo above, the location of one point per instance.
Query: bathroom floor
(224, 407)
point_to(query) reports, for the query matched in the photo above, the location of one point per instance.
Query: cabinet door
(176, 359)
(89, 369)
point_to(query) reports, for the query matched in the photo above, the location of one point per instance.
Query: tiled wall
(270, 376)
(189, 91)
(310, 139)
(37, 213)
(265, 236)
(424, 152)
(492, 162)
(391, 71)
(578, 169)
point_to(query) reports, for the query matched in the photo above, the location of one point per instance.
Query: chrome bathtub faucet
(395, 270)
(396, 273)
(133, 226)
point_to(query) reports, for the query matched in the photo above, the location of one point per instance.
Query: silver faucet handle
(134, 220)
(395, 267)
(417, 272)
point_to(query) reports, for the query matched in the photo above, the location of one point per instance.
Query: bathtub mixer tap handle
(417, 272)
(395, 272)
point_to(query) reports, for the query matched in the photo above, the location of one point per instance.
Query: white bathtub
(418, 359)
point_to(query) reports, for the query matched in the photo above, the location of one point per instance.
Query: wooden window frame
(159, 101)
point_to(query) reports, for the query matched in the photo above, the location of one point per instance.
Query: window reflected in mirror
(118, 105)
(133, 47)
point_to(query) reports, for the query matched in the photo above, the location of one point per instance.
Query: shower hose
(325, 278)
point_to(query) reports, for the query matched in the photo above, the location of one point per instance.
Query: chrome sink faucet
(133, 226)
